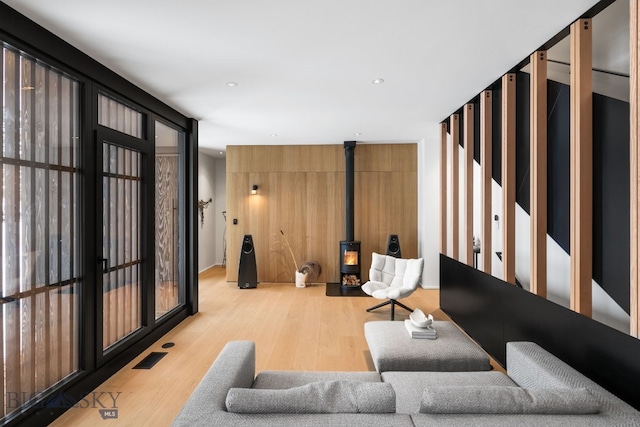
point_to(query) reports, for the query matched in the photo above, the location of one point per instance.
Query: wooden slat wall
(634, 174)
(538, 170)
(301, 191)
(581, 155)
(468, 183)
(11, 227)
(443, 188)
(509, 177)
(454, 130)
(486, 165)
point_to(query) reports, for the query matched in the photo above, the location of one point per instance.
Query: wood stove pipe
(349, 151)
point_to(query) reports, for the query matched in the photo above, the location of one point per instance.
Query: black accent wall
(496, 137)
(558, 135)
(523, 126)
(611, 244)
(494, 312)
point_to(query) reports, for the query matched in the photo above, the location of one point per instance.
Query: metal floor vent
(150, 360)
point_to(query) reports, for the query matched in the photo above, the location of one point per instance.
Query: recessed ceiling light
(221, 152)
(357, 134)
(232, 84)
(377, 81)
(274, 134)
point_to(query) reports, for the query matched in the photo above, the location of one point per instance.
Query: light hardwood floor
(294, 329)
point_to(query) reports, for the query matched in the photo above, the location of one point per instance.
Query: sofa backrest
(234, 367)
(396, 272)
(531, 366)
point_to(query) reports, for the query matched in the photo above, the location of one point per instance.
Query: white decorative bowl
(419, 319)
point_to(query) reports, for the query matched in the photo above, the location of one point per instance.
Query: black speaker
(247, 271)
(393, 246)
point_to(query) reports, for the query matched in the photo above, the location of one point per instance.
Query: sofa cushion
(410, 385)
(507, 400)
(315, 398)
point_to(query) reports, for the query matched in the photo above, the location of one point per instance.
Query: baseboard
(208, 268)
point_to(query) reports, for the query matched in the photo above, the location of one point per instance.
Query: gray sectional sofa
(539, 390)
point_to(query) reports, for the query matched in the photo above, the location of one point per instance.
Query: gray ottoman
(392, 349)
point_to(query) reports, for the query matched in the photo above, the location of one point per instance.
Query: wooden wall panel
(634, 200)
(581, 158)
(538, 170)
(308, 205)
(468, 183)
(283, 158)
(509, 178)
(454, 130)
(388, 205)
(486, 164)
(443, 188)
(325, 221)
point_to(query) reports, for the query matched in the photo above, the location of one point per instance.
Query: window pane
(117, 116)
(39, 234)
(169, 286)
(121, 279)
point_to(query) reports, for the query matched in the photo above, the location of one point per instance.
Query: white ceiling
(304, 68)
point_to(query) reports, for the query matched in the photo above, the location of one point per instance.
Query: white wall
(211, 184)
(429, 209)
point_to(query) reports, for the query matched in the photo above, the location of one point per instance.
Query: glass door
(122, 234)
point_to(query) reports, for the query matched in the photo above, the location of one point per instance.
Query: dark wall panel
(476, 129)
(558, 163)
(496, 123)
(494, 312)
(611, 197)
(523, 126)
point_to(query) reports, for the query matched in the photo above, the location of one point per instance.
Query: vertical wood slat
(538, 168)
(60, 355)
(634, 176)
(486, 164)
(11, 221)
(454, 130)
(73, 330)
(581, 159)
(509, 177)
(105, 240)
(468, 182)
(56, 332)
(128, 288)
(2, 310)
(443, 188)
(120, 316)
(29, 218)
(48, 376)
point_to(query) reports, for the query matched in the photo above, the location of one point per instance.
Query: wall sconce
(254, 189)
(202, 205)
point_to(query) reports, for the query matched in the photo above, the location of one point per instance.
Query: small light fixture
(357, 134)
(232, 84)
(377, 81)
(273, 135)
(254, 189)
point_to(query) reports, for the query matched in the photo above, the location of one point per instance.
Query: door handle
(105, 264)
